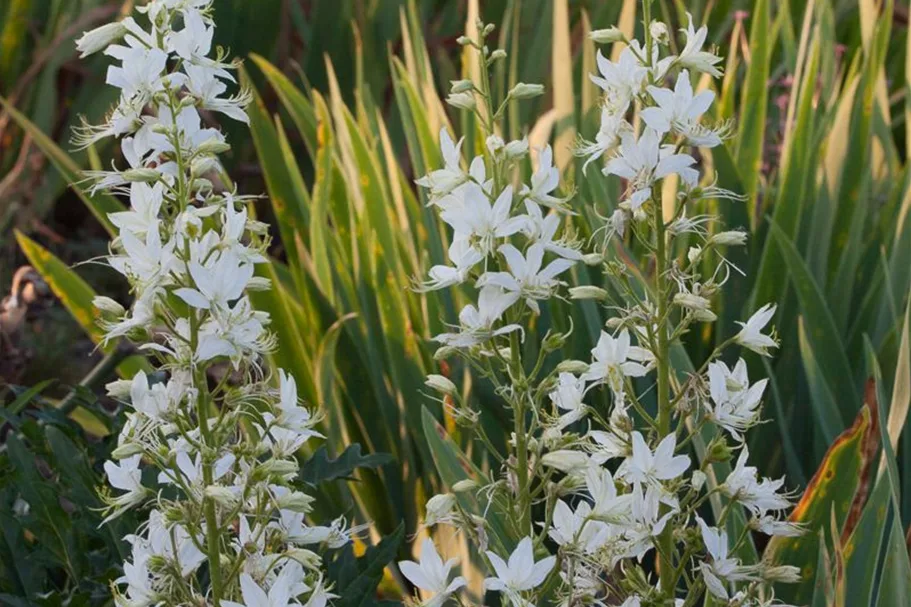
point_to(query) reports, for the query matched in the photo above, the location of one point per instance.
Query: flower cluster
(226, 522)
(604, 505)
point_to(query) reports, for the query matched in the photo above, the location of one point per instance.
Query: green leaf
(76, 296)
(359, 578)
(100, 204)
(320, 468)
(822, 333)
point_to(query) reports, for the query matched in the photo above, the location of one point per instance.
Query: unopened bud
(495, 143)
(213, 146)
(606, 36)
(296, 501)
(526, 91)
(698, 480)
(126, 450)
(691, 301)
(100, 38)
(464, 40)
(658, 30)
(576, 367)
(730, 238)
(719, 451)
(443, 353)
(783, 574)
(438, 508)
(441, 384)
(588, 292)
(106, 304)
(222, 495)
(307, 558)
(465, 101)
(592, 259)
(705, 316)
(461, 86)
(488, 29)
(516, 149)
(259, 283)
(464, 485)
(566, 461)
(693, 254)
(141, 175)
(497, 55)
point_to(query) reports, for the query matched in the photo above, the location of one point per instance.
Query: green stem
(665, 540)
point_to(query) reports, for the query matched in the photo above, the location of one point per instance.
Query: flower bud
(444, 353)
(495, 143)
(141, 175)
(461, 86)
(296, 501)
(691, 301)
(575, 367)
(693, 254)
(126, 450)
(554, 342)
(526, 91)
(497, 55)
(222, 495)
(705, 316)
(259, 283)
(100, 38)
(488, 29)
(438, 508)
(588, 292)
(782, 574)
(464, 40)
(441, 384)
(464, 485)
(658, 30)
(307, 558)
(592, 259)
(613, 323)
(213, 146)
(566, 461)
(106, 304)
(119, 389)
(516, 149)
(734, 238)
(278, 467)
(606, 36)
(464, 101)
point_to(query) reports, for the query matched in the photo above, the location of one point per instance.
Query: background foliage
(347, 114)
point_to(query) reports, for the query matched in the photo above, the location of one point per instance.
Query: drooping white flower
(526, 277)
(621, 81)
(477, 324)
(644, 466)
(443, 181)
(646, 520)
(743, 485)
(567, 396)
(545, 180)
(543, 230)
(521, 573)
(431, 574)
(125, 476)
(614, 359)
(735, 403)
(145, 205)
(751, 335)
(464, 256)
(642, 161)
(679, 111)
(613, 126)
(722, 569)
(692, 56)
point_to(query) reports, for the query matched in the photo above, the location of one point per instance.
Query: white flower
(431, 574)
(521, 573)
(526, 277)
(679, 111)
(743, 485)
(145, 204)
(283, 592)
(613, 125)
(751, 335)
(544, 181)
(646, 522)
(722, 568)
(770, 525)
(643, 466)
(477, 324)
(290, 414)
(464, 256)
(643, 161)
(146, 264)
(608, 504)
(125, 476)
(140, 74)
(218, 284)
(202, 82)
(692, 56)
(567, 396)
(476, 219)
(541, 229)
(621, 81)
(577, 528)
(443, 181)
(736, 402)
(615, 359)
(566, 460)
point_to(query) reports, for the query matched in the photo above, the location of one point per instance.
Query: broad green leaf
(320, 468)
(360, 577)
(832, 490)
(822, 333)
